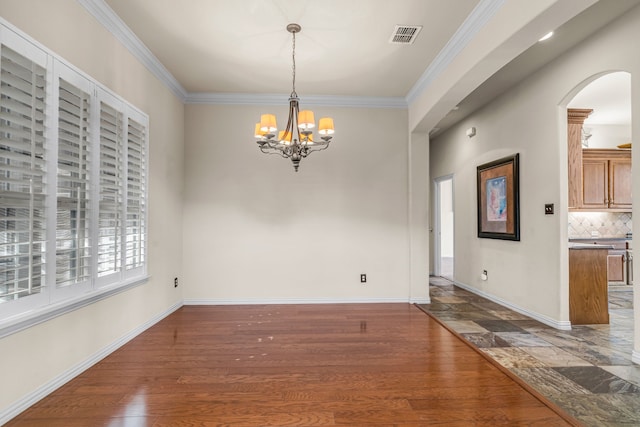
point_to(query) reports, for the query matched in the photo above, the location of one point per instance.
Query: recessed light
(546, 36)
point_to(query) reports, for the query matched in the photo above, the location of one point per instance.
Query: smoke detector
(405, 34)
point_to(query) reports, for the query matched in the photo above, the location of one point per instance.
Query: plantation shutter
(73, 237)
(110, 193)
(22, 176)
(136, 195)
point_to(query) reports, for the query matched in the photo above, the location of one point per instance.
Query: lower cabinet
(616, 265)
(588, 288)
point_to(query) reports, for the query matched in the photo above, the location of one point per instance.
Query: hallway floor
(587, 371)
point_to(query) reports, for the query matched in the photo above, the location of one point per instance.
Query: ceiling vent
(405, 34)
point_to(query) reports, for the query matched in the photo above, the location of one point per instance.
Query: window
(22, 176)
(73, 184)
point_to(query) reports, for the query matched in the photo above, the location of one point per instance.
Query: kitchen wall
(583, 225)
(608, 135)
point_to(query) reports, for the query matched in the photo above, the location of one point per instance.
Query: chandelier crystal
(296, 141)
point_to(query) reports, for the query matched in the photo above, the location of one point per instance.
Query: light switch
(548, 209)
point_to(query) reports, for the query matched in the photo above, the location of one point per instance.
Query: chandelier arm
(275, 151)
(313, 150)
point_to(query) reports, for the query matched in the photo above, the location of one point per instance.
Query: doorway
(444, 215)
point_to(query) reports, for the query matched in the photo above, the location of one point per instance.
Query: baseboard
(267, 301)
(564, 325)
(635, 357)
(30, 399)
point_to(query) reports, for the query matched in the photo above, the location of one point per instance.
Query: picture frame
(499, 199)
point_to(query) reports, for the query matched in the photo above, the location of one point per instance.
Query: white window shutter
(22, 176)
(136, 210)
(74, 202)
(111, 186)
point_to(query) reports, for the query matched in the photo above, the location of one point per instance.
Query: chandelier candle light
(296, 141)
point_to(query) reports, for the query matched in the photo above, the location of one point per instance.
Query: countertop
(575, 245)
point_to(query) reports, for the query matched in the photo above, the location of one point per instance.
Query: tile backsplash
(606, 224)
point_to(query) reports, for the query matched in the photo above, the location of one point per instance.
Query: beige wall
(255, 230)
(530, 119)
(40, 354)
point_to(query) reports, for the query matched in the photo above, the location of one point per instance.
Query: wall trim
(564, 325)
(635, 357)
(116, 26)
(270, 301)
(477, 19)
(32, 398)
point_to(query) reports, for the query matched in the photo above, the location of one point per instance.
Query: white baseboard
(30, 399)
(635, 357)
(208, 301)
(564, 325)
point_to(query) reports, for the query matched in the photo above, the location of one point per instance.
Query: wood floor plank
(298, 365)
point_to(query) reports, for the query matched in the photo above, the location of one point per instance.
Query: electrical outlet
(175, 282)
(484, 275)
(363, 278)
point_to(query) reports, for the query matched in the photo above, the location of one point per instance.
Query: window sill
(26, 320)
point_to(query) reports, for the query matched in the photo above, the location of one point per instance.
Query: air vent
(405, 34)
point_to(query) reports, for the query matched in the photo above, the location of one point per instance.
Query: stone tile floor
(586, 371)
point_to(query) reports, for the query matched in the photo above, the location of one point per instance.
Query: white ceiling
(241, 47)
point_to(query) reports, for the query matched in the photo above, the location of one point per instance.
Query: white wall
(608, 136)
(255, 230)
(529, 119)
(42, 353)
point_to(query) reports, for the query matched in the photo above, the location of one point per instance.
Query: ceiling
(531, 60)
(243, 47)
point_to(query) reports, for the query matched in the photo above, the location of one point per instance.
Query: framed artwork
(499, 199)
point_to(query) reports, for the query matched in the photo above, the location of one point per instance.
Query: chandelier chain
(293, 57)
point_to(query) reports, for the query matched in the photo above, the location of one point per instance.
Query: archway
(604, 101)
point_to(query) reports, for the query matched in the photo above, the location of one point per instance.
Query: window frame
(55, 300)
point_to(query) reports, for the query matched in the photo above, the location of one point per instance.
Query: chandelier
(296, 141)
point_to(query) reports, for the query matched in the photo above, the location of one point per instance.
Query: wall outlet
(363, 278)
(175, 282)
(484, 275)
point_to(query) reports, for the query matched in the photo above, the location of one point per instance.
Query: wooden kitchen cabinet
(588, 289)
(620, 183)
(595, 183)
(615, 266)
(606, 179)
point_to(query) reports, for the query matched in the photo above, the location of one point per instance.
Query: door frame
(437, 266)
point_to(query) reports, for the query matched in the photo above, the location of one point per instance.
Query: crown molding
(112, 22)
(477, 19)
(279, 99)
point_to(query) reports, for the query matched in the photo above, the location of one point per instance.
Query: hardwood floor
(293, 365)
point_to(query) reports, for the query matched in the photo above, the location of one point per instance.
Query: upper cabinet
(599, 178)
(606, 180)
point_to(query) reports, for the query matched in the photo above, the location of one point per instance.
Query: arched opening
(600, 180)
